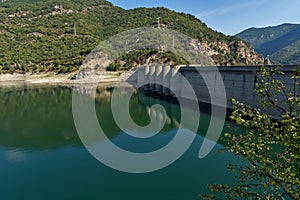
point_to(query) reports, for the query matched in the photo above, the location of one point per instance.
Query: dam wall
(212, 85)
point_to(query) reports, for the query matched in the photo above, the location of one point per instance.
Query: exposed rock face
(220, 50)
(222, 53)
(249, 54)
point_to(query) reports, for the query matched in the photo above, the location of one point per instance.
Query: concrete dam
(212, 85)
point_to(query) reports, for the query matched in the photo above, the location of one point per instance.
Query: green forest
(56, 35)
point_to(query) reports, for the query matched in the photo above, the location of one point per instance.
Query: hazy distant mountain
(281, 43)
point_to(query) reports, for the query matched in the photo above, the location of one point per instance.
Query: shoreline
(62, 79)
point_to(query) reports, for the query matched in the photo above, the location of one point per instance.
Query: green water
(42, 157)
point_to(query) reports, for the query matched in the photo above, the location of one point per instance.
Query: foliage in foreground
(271, 148)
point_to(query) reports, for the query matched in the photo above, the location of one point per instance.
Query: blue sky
(229, 16)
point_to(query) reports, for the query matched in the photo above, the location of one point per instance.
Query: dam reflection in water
(42, 157)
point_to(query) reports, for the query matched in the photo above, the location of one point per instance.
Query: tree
(270, 148)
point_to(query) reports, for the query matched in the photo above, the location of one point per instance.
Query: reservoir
(42, 156)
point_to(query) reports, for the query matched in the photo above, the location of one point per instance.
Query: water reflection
(41, 155)
(40, 117)
(16, 156)
(36, 117)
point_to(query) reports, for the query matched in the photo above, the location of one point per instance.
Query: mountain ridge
(281, 43)
(57, 35)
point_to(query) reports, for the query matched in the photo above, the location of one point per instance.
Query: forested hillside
(56, 35)
(281, 43)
